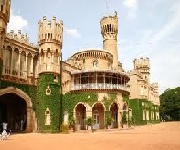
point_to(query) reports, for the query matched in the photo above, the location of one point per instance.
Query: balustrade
(100, 86)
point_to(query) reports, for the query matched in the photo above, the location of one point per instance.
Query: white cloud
(170, 27)
(16, 23)
(132, 6)
(73, 32)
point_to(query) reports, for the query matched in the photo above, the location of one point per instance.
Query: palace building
(44, 91)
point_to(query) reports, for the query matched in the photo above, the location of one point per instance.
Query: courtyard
(163, 136)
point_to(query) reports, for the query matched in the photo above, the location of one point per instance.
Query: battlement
(50, 31)
(19, 37)
(155, 85)
(141, 63)
(109, 26)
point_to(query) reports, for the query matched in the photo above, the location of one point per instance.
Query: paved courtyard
(163, 136)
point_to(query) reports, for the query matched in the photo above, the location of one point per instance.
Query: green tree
(170, 104)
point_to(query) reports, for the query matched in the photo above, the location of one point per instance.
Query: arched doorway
(80, 116)
(98, 116)
(114, 114)
(16, 105)
(13, 112)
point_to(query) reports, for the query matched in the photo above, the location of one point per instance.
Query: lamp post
(61, 107)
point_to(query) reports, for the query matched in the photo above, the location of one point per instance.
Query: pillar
(29, 118)
(19, 62)
(11, 69)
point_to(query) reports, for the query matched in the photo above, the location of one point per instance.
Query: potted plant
(89, 122)
(109, 121)
(72, 124)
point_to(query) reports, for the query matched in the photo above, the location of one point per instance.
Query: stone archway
(98, 110)
(114, 114)
(80, 115)
(29, 111)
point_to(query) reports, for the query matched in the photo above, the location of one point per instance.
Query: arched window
(95, 63)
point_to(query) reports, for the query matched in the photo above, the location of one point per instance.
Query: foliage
(89, 121)
(124, 118)
(109, 100)
(109, 120)
(170, 104)
(137, 111)
(70, 100)
(72, 122)
(51, 101)
(30, 90)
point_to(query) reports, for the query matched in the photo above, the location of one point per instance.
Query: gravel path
(163, 136)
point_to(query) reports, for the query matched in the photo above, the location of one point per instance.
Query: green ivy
(70, 100)
(30, 90)
(109, 100)
(137, 110)
(51, 101)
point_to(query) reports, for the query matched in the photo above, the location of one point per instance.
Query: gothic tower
(142, 65)
(109, 31)
(50, 37)
(4, 19)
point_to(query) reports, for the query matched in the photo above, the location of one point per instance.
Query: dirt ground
(163, 136)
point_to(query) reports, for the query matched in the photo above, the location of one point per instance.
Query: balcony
(99, 86)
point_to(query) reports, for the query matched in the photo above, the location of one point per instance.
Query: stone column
(29, 119)
(119, 119)
(31, 66)
(45, 62)
(19, 62)
(11, 69)
(26, 65)
(4, 60)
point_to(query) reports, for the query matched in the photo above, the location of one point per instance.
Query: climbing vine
(109, 100)
(70, 100)
(140, 105)
(30, 90)
(51, 101)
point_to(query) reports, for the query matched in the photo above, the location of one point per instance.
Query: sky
(147, 28)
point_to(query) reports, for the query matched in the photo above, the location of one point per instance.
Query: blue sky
(147, 28)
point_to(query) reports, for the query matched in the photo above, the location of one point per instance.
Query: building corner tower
(4, 19)
(109, 31)
(50, 35)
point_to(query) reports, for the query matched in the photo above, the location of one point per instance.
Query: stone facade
(89, 70)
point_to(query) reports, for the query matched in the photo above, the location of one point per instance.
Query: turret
(142, 65)
(4, 19)
(109, 31)
(50, 38)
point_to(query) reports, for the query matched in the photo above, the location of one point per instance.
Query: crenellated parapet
(109, 27)
(19, 37)
(50, 31)
(155, 87)
(141, 63)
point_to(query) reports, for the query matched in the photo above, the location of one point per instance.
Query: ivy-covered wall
(107, 101)
(30, 90)
(136, 107)
(51, 101)
(137, 111)
(70, 100)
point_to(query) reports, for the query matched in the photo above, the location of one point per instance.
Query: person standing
(22, 124)
(4, 124)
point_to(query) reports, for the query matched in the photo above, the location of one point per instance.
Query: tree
(170, 104)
